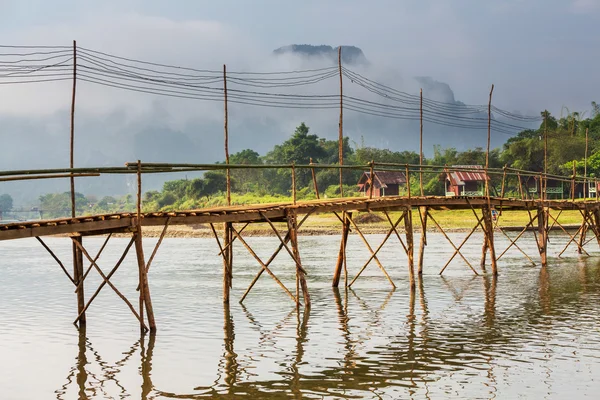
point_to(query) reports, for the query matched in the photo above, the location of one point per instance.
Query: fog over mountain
(538, 53)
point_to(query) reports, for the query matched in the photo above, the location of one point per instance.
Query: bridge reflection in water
(415, 358)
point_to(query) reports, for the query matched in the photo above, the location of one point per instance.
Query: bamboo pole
(596, 223)
(26, 178)
(542, 234)
(282, 241)
(545, 149)
(451, 242)
(222, 250)
(374, 253)
(314, 179)
(108, 282)
(489, 234)
(160, 239)
(263, 265)
(300, 273)
(77, 256)
(573, 180)
(387, 215)
(72, 136)
(585, 184)
(78, 277)
(145, 299)
(39, 239)
(275, 253)
(144, 287)
(520, 186)
(421, 146)
(423, 240)
(95, 259)
(407, 181)
(293, 184)
(371, 251)
(342, 253)
(489, 135)
(503, 182)
(457, 249)
(226, 265)
(513, 242)
(341, 123)
(110, 274)
(408, 231)
(372, 176)
(226, 129)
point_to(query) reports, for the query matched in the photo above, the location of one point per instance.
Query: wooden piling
(78, 278)
(145, 299)
(226, 260)
(77, 255)
(542, 213)
(293, 231)
(423, 242)
(408, 230)
(144, 287)
(484, 250)
(342, 253)
(489, 233)
(596, 224)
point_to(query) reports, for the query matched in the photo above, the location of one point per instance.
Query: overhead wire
(245, 87)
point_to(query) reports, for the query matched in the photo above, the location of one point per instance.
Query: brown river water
(531, 333)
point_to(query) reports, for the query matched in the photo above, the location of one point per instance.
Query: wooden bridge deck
(123, 222)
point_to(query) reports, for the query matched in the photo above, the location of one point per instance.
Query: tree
(299, 149)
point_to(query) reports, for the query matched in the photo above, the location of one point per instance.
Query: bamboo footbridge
(503, 191)
(229, 222)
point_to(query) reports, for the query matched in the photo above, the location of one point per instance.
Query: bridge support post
(484, 250)
(77, 277)
(341, 260)
(542, 213)
(596, 225)
(227, 260)
(410, 252)
(489, 238)
(586, 219)
(423, 241)
(300, 277)
(145, 298)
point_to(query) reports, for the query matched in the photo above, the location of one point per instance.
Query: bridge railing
(502, 182)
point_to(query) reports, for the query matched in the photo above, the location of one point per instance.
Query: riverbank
(369, 223)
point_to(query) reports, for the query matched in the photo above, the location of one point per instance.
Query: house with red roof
(465, 180)
(385, 183)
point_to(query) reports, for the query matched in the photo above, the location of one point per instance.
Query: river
(530, 333)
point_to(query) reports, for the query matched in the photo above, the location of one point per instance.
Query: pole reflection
(375, 352)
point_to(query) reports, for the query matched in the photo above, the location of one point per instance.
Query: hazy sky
(538, 53)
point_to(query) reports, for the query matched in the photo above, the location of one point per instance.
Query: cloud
(585, 6)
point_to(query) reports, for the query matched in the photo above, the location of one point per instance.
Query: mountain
(351, 55)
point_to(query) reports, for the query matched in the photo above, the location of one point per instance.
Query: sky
(539, 54)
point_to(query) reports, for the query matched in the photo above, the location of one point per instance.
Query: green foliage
(565, 143)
